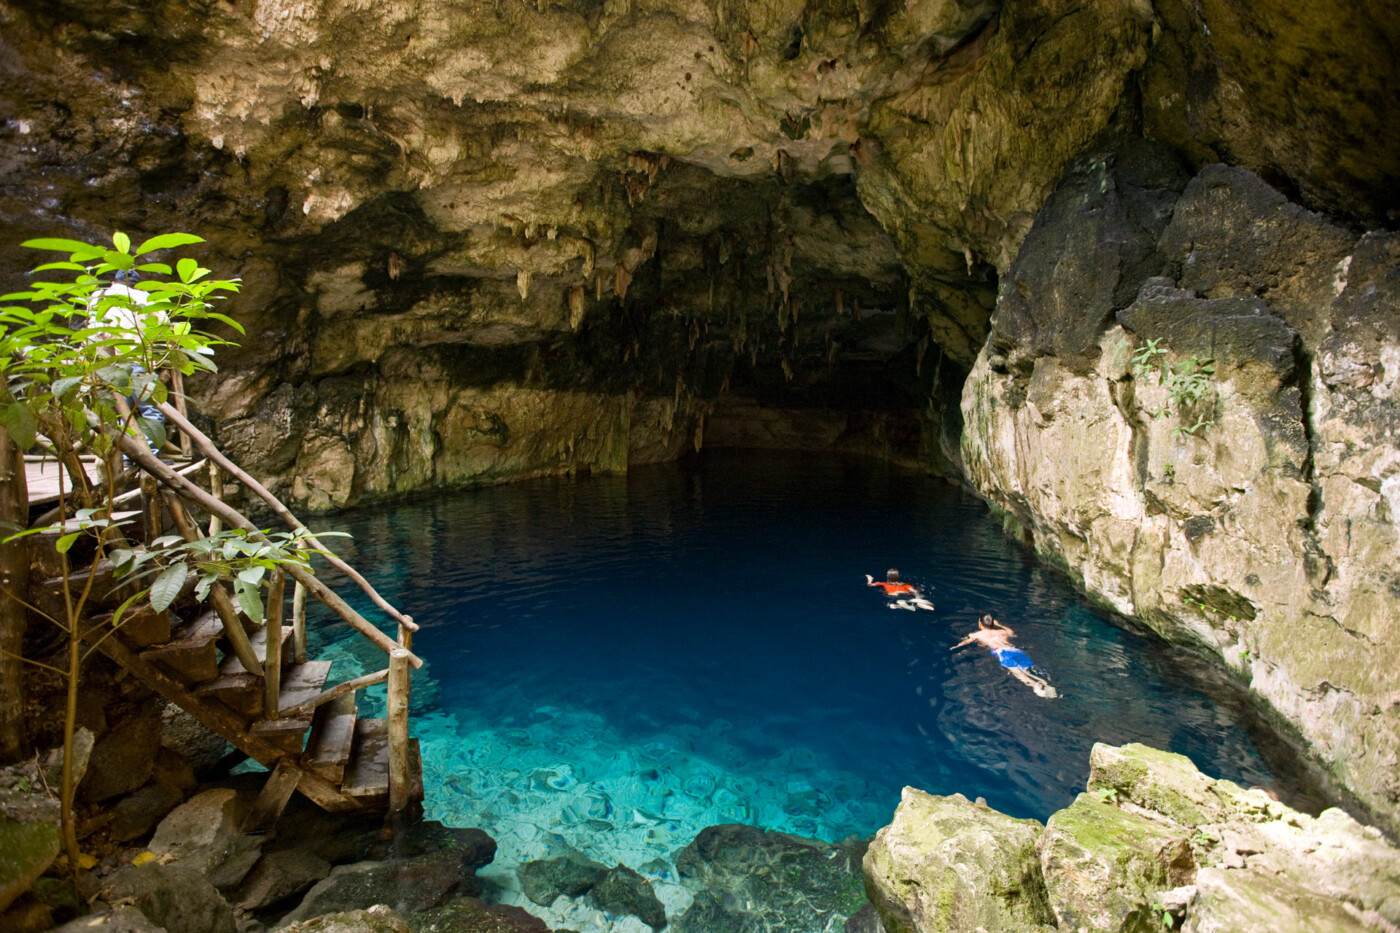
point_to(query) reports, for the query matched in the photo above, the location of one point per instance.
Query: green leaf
(158, 267)
(251, 575)
(18, 421)
(126, 604)
(71, 266)
(76, 247)
(66, 542)
(166, 541)
(154, 431)
(186, 268)
(120, 557)
(62, 387)
(250, 602)
(167, 586)
(121, 241)
(166, 241)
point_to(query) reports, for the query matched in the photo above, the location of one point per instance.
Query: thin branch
(20, 657)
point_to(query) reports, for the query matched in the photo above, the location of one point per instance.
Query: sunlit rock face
(1255, 522)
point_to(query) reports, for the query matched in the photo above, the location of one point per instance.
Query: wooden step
(43, 557)
(367, 774)
(192, 654)
(300, 682)
(141, 626)
(332, 735)
(47, 595)
(234, 685)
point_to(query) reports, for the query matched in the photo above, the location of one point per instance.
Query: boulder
(376, 919)
(279, 876)
(122, 760)
(569, 875)
(408, 886)
(945, 863)
(29, 831)
(470, 915)
(1102, 864)
(136, 814)
(120, 920)
(174, 897)
(749, 880)
(202, 835)
(474, 846)
(621, 890)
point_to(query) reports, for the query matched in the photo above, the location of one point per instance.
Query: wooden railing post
(406, 633)
(299, 623)
(216, 489)
(151, 511)
(400, 782)
(272, 664)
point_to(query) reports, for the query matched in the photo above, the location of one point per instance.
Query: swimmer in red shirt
(905, 595)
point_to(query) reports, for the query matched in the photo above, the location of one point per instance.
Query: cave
(1128, 273)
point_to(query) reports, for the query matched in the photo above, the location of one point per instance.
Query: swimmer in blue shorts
(996, 638)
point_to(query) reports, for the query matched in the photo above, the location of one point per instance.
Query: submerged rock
(569, 875)
(750, 880)
(376, 919)
(946, 863)
(621, 890)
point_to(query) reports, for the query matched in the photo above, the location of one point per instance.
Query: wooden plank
(367, 774)
(43, 479)
(300, 683)
(191, 655)
(332, 735)
(273, 799)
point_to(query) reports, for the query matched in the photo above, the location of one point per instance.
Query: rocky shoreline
(1151, 844)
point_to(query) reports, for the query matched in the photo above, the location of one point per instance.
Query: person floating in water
(903, 595)
(996, 638)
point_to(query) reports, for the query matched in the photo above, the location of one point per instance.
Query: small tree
(71, 353)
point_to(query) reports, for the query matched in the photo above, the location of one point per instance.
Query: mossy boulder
(946, 863)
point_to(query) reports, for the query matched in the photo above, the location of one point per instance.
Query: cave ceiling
(796, 181)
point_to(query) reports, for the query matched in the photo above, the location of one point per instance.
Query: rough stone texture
(29, 831)
(202, 835)
(1252, 862)
(120, 920)
(377, 919)
(407, 886)
(138, 813)
(945, 863)
(749, 880)
(569, 875)
(1153, 844)
(279, 876)
(176, 898)
(620, 890)
(122, 760)
(470, 915)
(1267, 536)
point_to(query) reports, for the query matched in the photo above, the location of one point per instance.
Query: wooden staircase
(251, 684)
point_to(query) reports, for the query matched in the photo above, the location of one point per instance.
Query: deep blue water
(694, 643)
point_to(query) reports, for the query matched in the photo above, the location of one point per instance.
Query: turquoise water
(614, 663)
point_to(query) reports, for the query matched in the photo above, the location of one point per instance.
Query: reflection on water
(615, 662)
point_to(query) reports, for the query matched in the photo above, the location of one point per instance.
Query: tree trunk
(14, 581)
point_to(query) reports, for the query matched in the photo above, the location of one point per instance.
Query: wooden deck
(43, 478)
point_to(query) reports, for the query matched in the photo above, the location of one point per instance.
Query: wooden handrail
(213, 452)
(142, 455)
(339, 690)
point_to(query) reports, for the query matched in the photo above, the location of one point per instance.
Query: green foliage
(1187, 384)
(69, 347)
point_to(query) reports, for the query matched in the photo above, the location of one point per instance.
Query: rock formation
(1254, 521)
(1151, 844)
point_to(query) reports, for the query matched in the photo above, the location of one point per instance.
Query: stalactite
(622, 278)
(522, 283)
(576, 308)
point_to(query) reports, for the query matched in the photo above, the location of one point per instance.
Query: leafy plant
(1187, 383)
(70, 352)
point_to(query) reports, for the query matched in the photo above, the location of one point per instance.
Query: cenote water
(614, 663)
